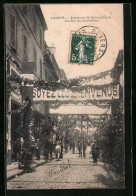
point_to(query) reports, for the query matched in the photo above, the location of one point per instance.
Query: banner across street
(106, 93)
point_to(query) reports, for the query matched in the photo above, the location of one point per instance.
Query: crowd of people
(81, 147)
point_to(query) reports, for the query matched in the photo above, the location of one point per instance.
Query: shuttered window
(13, 31)
(24, 48)
(40, 38)
(35, 58)
(35, 25)
(40, 69)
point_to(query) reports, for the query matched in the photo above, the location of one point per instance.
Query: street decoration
(93, 93)
(24, 131)
(103, 136)
(73, 88)
(73, 84)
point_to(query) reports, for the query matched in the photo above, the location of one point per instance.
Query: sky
(59, 33)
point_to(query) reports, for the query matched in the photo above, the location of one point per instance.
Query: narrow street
(71, 172)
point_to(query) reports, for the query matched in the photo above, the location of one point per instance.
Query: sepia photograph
(65, 124)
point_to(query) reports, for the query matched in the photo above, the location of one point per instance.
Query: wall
(24, 26)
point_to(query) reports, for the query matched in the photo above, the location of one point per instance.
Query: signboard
(76, 109)
(91, 93)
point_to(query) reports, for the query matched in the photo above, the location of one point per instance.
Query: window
(35, 58)
(13, 31)
(35, 25)
(40, 38)
(40, 69)
(25, 10)
(24, 48)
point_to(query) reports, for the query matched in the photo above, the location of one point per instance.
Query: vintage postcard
(65, 126)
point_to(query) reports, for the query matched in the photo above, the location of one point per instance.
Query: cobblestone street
(71, 172)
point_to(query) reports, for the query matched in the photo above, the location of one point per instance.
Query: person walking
(50, 149)
(84, 148)
(95, 152)
(61, 151)
(37, 150)
(70, 145)
(46, 149)
(58, 150)
(73, 147)
(80, 148)
(66, 145)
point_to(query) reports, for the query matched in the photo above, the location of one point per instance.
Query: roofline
(41, 17)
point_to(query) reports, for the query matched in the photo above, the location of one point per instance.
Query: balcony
(16, 96)
(28, 70)
(15, 67)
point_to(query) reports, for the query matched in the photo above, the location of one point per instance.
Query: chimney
(52, 49)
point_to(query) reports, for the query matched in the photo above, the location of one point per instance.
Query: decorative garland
(65, 121)
(56, 104)
(78, 115)
(97, 76)
(26, 123)
(20, 110)
(99, 103)
(73, 84)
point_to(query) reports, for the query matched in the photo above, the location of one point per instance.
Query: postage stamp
(88, 44)
(82, 48)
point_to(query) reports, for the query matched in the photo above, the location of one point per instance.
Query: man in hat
(95, 152)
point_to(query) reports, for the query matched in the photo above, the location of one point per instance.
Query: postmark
(88, 44)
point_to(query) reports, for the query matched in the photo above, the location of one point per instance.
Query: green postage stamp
(82, 48)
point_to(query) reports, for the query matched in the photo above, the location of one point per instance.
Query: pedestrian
(84, 148)
(50, 148)
(66, 145)
(95, 152)
(46, 154)
(61, 152)
(37, 150)
(80, 148)
(46, 149)
(70, 145)
(73, 147)
(58, 149)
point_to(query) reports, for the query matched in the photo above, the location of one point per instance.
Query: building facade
(53, 72)
(24, 42)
